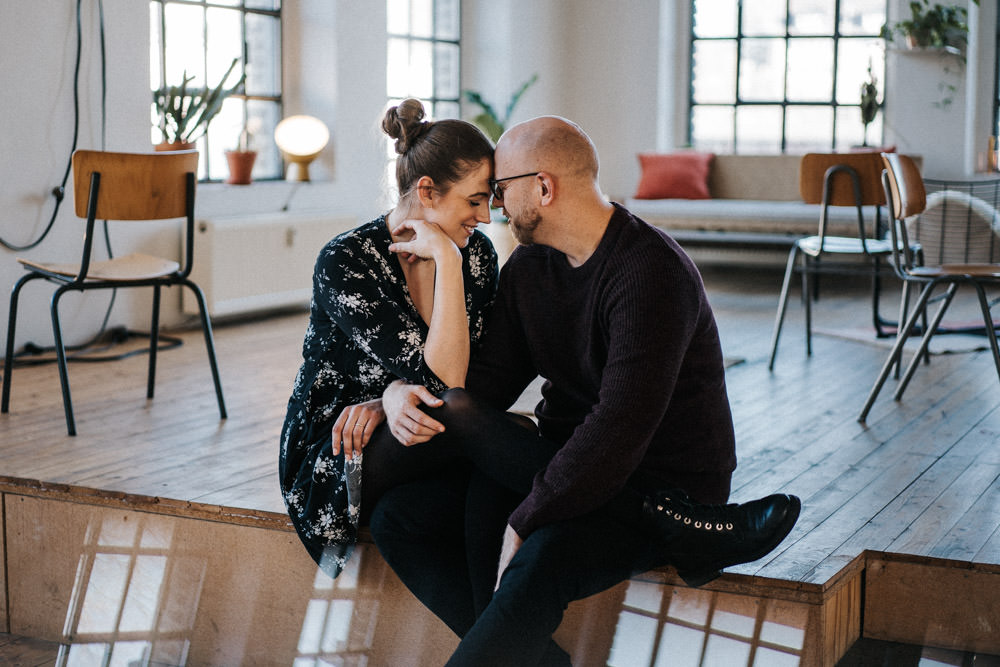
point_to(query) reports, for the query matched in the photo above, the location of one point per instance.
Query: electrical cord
(59, 192)
(116, 335)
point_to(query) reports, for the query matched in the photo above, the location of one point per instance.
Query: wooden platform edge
(144, 503)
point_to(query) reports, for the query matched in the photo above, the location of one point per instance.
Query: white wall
(602, 64)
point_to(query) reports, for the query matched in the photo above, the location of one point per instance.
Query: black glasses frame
(495, 182)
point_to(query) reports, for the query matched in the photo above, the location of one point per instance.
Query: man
(613, 314)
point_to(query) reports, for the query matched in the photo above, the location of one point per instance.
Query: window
(423, 54)
(783, 77)
(201, 38)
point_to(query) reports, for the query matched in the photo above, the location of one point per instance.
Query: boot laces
(710, 518)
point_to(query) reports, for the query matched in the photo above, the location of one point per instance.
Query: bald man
(614, 315)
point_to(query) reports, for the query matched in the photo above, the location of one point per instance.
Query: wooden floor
(922, 477)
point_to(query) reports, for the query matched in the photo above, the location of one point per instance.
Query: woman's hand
(424, 240)
(355, 425)
(407, 422)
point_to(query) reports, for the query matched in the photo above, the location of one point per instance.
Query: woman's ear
(425, 191)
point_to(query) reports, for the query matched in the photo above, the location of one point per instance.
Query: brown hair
(444, 150)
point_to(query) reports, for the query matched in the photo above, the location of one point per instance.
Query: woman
(404, 296)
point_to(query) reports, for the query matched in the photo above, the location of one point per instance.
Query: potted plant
(932, 26)
(491, 123)
(869, 102)
(185, 113)
(241, 160)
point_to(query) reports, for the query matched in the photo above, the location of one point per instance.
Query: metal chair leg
(897, 350)
(922, 351)
(8, 360)
(991, 332)
(807, 278)
(782, 306)
(61, 358)
(154, 341)
(206, 327)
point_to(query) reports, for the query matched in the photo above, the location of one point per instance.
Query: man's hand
(407, 422)
(355, 425)
(511, 543)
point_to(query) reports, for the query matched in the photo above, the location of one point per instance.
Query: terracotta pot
(240, 166)
(174, 146)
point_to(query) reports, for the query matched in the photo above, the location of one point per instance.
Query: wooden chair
(907, 198)
(121, 186)
(846, 180)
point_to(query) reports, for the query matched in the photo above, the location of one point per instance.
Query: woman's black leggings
(504, 447)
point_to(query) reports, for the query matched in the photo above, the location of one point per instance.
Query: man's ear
(548, 187)
(425, 191)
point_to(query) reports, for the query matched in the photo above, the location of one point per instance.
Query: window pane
(397, 63)
(397, 16)
(264, 4)
(850, 131)
(758, 130)
(810, 70)
(447, 110)
(185, 43)
(861, 17)
(224, 135)
(447, 20)
(762, 70)
(714, 18)
(811, 17)
(446, 69)
(263, 59)
(421, 18)
(852, 67)
(262, 118)
(712, 129)
(808, 128)
(225, 36)
(714, 71)
(763, 17)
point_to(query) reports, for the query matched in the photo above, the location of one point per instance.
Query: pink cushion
(674, 176)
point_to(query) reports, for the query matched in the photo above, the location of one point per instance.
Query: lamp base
(297, 171)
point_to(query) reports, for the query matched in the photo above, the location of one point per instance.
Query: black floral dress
(364, 332)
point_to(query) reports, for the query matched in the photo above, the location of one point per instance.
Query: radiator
(248, 264)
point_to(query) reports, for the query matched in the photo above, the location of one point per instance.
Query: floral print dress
(364, 332)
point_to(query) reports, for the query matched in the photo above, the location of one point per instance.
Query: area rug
(951, 343)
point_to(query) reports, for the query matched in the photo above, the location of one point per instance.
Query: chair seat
(844, 245)
(135, 266)
(976, 270)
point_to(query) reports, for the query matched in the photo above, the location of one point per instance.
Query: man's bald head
(549, 143)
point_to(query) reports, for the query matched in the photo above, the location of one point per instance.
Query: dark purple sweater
(630, 350)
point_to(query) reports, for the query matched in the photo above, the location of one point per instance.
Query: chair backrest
(134, 186)
(905, 194)
(906, 197)
(812, 174)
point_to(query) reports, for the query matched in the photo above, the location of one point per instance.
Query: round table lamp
(300, 138)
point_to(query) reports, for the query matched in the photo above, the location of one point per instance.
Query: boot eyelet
(729, 526)
(719, 526)
(697, 524)
(677, 517)
(687, 521)
(708, 526)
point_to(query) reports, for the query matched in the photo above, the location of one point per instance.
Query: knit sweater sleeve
(650, 310)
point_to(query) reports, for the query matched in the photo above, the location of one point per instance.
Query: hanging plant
(934, 26)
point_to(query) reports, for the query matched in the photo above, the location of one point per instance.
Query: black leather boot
(700, 540)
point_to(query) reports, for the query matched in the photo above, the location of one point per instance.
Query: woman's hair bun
(405, 123)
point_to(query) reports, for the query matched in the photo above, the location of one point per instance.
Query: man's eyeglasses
(495, 188)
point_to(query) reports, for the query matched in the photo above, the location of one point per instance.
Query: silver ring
(358, 426)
